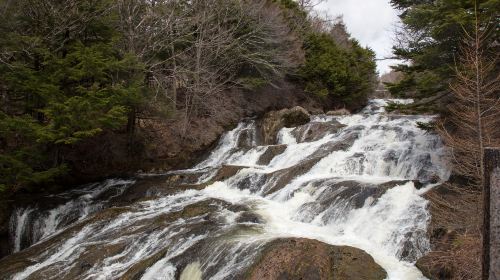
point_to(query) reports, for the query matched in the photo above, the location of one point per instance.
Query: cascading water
(31, 224)
(347, 180)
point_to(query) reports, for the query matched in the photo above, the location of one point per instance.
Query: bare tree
(230, 40)
(474, 118)
(308, 5)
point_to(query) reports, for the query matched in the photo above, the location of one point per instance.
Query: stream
(353, 180)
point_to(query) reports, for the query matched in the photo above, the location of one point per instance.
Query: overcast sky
(370, 21)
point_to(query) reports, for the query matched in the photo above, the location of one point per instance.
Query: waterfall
(32, 224)
(352, 180)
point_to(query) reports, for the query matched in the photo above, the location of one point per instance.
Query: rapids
(352, 180)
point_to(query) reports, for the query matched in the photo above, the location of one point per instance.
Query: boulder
(273, 121)
(307, 259)
(339, 112)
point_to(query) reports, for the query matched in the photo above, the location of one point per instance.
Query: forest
(74, 70)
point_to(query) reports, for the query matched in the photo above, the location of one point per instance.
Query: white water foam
(360, 195)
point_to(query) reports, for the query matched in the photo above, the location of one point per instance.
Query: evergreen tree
(60, 87)
(430, 41)
(344, 75)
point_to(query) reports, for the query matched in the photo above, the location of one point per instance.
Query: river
(353, 180)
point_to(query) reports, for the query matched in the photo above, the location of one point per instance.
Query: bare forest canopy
(72, 70)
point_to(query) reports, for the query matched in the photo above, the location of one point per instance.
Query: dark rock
(310, 260)
(270, 153)
(249, 217)
(285, 176)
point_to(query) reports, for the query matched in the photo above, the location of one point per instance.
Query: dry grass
(462, 260)
(456, 233)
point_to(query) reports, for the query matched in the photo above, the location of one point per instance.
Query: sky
(370, 21)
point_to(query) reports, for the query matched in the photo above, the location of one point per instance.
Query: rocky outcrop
(274, 121)
(313, 260)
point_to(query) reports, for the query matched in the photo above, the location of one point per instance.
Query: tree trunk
(491, 208)
(131, 127)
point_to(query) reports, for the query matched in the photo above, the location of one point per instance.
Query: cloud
(371, 22)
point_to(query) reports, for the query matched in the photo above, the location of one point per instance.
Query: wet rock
(340, 194)
(339, 112)
(96, 252)
(333, 146)
(245, 140)
(17, 262)
(148, 187)
(310, 260)
(270, 153)
(273, 121)
(217, 251)
(413, 246)
(249, 217)
(316, 130)
(225, 172)
(282, 177)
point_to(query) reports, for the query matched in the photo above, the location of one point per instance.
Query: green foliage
(70, 71)
(427, 126)
(61, 92)
(433, 32)
(252, 83)
(344, 75)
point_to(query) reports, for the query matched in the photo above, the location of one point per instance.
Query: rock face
(313, 260)
(276, 120)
